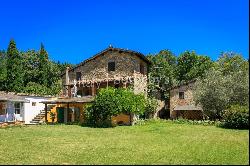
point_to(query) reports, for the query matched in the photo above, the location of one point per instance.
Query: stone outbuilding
(182, 104)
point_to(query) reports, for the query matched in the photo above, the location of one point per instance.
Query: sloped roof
(12, 97)
(140, 55)
(85, 99)
(187, 107)
(182, 84)
(34, 95)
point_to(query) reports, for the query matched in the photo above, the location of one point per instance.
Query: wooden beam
(124, 85)
(93, 89)
(130, 118)
(46, 110)
(67, 112)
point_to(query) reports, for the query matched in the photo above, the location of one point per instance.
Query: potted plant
(52, 116)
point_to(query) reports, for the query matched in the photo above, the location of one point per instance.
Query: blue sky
(73, 30)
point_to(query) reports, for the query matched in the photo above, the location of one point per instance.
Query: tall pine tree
(44, 66)
(3, 70)
(14, 80)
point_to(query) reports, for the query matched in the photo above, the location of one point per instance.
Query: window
(2, 109)
(111, 66)
(79, 93)
(78, 76)
(142, 69)
(33, 103)
(17, 108)
(181, 95)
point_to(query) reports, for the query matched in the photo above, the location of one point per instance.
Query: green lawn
(152, 143)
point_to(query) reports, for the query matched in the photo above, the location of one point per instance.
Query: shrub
(236, 117)
(151, 106)
(196, 122)
(111, 102)
(140, 122)
(52, 116)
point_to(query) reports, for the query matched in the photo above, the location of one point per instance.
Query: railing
(10, 117)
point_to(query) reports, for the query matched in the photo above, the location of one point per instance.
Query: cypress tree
(3, 70)
(44, 66)
(14, 69)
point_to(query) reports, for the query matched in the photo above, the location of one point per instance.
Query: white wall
(31, 111)
(10, 115)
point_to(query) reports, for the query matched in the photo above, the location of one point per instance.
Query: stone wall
(174, 97)
(160, 104)
(140, 83)
(126, 65)
(121, 119)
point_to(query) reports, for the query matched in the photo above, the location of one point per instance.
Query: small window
(181, 95)
(78, 76)
(142, 69)
(111, 66)
(33, 103)
(17, 108)
(2, 111)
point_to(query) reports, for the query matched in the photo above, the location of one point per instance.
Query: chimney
(67, 82)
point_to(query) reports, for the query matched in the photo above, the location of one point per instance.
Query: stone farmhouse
(113, 67)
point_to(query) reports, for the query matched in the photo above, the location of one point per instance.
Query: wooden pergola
(68, 101)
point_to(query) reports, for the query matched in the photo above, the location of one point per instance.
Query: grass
(155, 142)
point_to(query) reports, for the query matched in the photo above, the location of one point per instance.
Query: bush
(151, 106)
(52, 116)
(111, 102)
(236, 117)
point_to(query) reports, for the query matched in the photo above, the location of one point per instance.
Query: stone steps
(39, 117)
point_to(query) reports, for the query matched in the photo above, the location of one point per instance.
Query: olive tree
(224, 85)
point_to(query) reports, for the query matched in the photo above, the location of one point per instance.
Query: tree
(43, 53)
(44, 67)
(223, 86)
(161, 72)
(3, 70)
(29, 71)
(31, 66)
(191, 66)
(233, 65)
(14, 69)
(211, 93)
(62, 66)
(35, 88)
(230, 62)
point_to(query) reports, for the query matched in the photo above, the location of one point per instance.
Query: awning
(187, 107)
